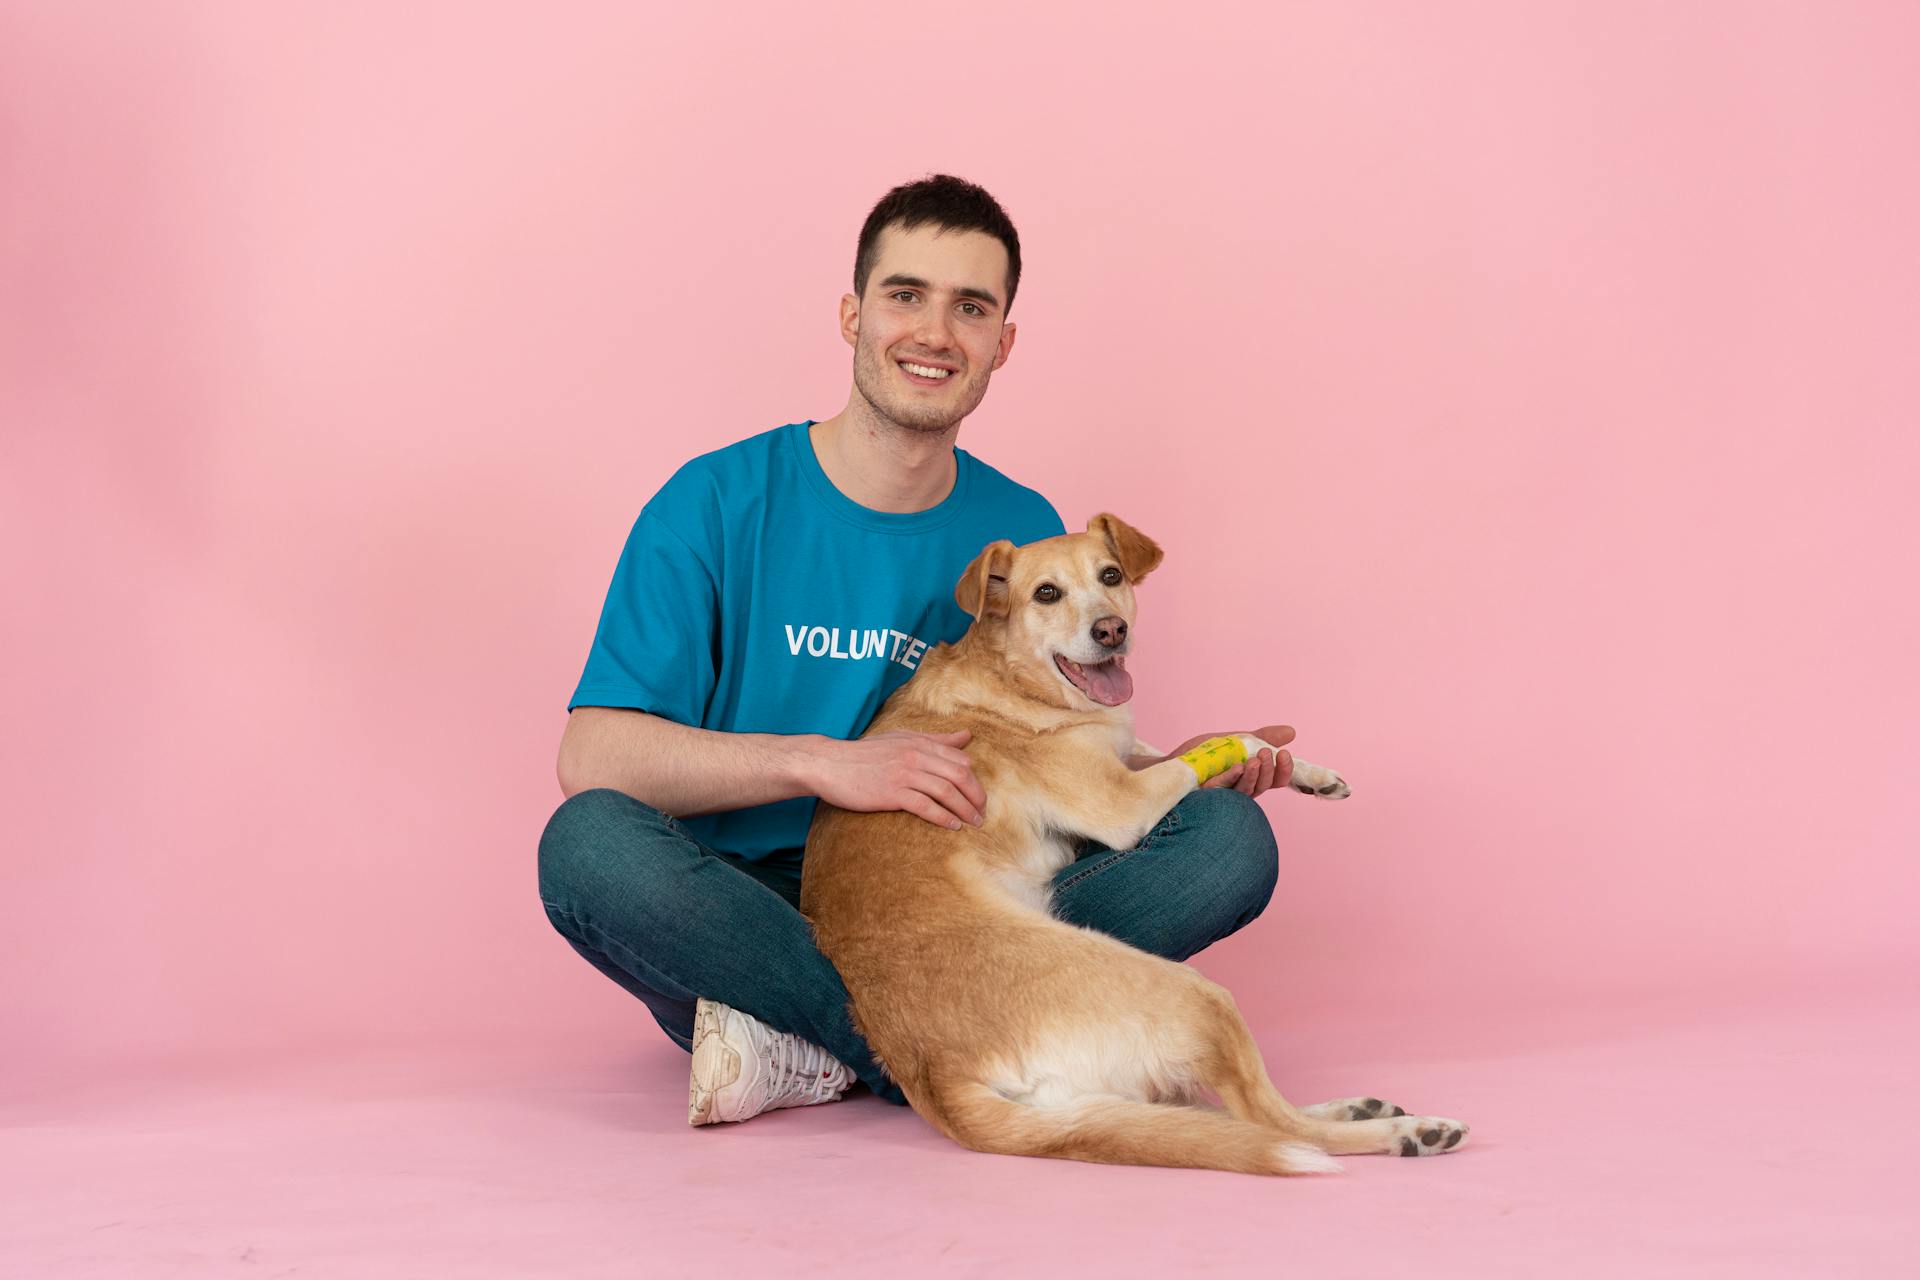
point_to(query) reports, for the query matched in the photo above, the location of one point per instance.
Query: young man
(768, 599)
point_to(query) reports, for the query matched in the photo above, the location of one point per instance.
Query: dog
(1009, 1030)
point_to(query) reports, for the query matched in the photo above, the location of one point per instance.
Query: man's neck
(882, 466)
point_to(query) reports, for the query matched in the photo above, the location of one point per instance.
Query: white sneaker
(742, 1066)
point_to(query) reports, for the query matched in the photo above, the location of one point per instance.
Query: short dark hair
(945, 201)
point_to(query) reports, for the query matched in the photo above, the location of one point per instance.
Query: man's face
(936, 298)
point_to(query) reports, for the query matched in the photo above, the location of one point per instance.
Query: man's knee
(1241, 852)
(590, 835)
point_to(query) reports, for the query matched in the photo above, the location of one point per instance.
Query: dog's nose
(1110, 632)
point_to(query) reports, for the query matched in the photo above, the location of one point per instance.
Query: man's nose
(1110, 632)
(935, 331)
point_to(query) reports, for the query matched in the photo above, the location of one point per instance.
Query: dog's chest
(1029, 878)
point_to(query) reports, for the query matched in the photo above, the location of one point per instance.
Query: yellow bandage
(1215, 756)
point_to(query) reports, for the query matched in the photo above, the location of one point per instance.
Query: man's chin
(918, 415)
(920, 419)
(922, 426)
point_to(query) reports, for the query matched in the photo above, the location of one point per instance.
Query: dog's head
(1061, 609)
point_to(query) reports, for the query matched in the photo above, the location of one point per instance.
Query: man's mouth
(1107, 683)
(925, 375)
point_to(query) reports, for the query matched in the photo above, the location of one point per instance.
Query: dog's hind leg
(1230, 1065)
(1108, 1129)
(1352, 1109)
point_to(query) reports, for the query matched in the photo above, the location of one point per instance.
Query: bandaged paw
(1215, 756)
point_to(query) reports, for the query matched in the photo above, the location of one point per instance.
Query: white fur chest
(1044, 851)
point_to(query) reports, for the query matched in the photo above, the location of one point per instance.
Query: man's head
(933, 281)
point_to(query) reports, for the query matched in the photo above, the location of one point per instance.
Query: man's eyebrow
(915, 282)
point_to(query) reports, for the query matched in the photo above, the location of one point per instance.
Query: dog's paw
(1312, 780)
(1353, 1109)
(1426, 1135)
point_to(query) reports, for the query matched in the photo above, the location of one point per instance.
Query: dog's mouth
(1107, 683)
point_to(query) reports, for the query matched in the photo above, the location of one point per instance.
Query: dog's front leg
(1120, 805)
(1125, 804)
(1308, 778)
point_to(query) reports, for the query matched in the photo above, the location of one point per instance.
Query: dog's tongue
(1107, 684)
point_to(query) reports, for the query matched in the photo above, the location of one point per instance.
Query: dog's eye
(1110, 576)
(1046, 593)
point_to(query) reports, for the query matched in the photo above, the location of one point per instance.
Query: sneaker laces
(800, 1071)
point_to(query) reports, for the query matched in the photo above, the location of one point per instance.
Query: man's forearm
(679, 769)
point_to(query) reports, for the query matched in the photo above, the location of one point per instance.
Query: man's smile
(926, 375)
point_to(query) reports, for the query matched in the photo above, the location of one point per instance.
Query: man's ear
(1136, 552)
(982, 590)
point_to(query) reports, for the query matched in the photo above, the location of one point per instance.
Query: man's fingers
(1277, 734)
(957, 769)
(916, 803)
(948, 797)
(1226, 779)
(1282, 768)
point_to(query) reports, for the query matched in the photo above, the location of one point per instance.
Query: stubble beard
(873, 373)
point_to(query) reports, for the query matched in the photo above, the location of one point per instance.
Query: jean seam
(1161, 829)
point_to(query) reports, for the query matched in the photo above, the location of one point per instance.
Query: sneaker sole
(711, 1071)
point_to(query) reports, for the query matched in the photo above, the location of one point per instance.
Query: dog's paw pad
(1353, 1109)
(1315, 780)
(1428, 1135)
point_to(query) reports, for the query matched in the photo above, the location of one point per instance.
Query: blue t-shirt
(754, 597)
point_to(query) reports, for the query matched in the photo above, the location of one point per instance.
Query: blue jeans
(670, 919)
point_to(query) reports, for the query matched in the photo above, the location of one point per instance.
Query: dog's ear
(982, 590)
(1136, 552)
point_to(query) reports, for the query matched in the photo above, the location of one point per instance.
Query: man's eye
(976, 310)
(1110, 576)
(902, 293)
(1046, 593)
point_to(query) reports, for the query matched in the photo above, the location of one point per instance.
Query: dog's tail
(1113, 1130)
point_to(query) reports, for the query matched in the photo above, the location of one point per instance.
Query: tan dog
(1010, 1030)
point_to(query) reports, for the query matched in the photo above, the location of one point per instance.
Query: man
(768, 599)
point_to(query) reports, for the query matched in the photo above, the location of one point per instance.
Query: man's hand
(922, 773)
(1261, 772)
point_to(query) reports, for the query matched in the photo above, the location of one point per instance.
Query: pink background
(1524, 394)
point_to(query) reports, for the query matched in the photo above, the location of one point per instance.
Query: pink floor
(1654, 1140)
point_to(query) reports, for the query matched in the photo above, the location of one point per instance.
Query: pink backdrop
(1525, 396)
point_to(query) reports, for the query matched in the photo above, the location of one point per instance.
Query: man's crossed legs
(676, 923)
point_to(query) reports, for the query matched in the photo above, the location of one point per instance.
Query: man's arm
(675, 768)
(687, 772)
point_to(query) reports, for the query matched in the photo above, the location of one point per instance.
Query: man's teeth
(925, 371)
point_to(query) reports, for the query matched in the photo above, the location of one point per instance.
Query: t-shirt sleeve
(654, 647)
(1051, 524)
